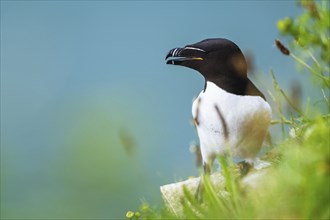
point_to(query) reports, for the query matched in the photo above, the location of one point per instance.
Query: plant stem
(325, 80)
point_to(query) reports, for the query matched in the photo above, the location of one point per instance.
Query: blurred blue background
(92, 120)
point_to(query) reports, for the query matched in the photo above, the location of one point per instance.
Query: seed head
(282, 48)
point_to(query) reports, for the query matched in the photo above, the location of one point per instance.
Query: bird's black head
(218, 60)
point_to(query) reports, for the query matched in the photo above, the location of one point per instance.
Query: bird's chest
(216, 110)
(223, 118)
(215, 113)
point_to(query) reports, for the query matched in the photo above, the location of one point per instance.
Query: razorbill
(230, 112)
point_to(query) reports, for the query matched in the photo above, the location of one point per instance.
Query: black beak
(177, 56)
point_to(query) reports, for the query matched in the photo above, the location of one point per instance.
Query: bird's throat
(234, 85)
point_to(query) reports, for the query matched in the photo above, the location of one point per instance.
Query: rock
(173, 193)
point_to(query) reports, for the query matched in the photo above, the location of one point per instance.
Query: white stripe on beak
(174, 51)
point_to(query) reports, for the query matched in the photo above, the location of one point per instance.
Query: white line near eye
(194, 48)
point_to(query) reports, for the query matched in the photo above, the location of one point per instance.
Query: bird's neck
(234, 85)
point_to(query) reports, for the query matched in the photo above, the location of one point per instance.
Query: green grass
(297, 184)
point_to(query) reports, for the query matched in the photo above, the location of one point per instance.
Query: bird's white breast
(246, 118)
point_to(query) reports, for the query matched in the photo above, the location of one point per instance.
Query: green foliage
(309, 34)
(297, 184)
